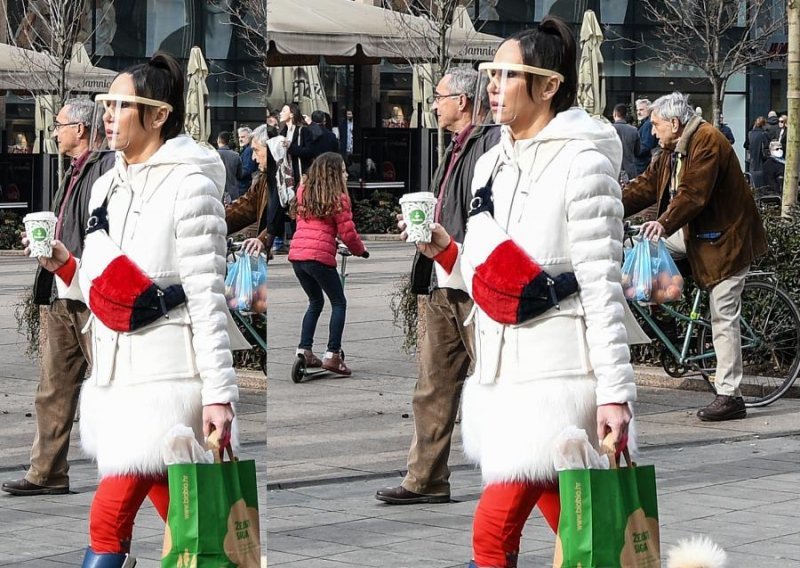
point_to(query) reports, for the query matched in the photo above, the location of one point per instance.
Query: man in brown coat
(707, 210)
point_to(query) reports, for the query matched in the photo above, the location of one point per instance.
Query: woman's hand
(218, 417)
(50, 263)
(252, 246)
(614, 419)
(440, 239)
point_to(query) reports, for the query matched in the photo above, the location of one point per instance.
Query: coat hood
(181, 150)
(572, 124)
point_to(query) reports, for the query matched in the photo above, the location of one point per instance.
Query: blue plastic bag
(246, 284)
(650, 275)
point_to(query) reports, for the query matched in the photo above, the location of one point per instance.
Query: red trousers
(114, 509)
(502, 512)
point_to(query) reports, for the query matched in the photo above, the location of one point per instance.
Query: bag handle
(608, 447)
(213, 444)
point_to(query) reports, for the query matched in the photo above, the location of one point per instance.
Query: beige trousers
(446, 356)
(725, 300)
(65, 357)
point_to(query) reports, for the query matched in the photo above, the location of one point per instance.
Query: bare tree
(249, 17)
(431, 34)
(48, 31)
(790, 178)
(718, 37)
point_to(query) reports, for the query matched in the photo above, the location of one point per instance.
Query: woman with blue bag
(541, 258)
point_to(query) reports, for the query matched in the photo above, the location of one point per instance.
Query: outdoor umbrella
(422, 89)
(198, 117)
(591, 82)
(299, 84)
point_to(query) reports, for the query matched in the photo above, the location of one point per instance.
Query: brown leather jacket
(713, 204)
(250, 208)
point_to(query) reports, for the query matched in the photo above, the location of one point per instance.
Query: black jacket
(76, 214)
(316, 140)
(458, 194)
(233, 170)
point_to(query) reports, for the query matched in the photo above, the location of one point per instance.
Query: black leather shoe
(23, 487)
(402, 496)
(723, 408)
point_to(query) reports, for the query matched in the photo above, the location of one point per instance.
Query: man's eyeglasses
(435, 98)
(55, 127)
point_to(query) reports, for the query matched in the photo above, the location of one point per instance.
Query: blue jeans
(316, 278)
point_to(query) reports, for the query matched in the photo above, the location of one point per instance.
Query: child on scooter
(323, 211)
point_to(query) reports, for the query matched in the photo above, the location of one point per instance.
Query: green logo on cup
(39, 234)
(417, 217)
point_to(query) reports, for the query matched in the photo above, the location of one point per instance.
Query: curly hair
(323, 187)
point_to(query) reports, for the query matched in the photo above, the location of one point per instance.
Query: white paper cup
(41, 230)
(418, 209)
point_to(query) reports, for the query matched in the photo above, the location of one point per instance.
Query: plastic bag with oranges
(650, 275)
(246, 284)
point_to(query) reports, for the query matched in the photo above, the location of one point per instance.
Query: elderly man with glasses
(66, 354)
(447, 349)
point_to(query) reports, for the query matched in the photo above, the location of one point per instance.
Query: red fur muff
(499, 281)
(114, 292)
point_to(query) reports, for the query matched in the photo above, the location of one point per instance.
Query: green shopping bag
(213, 515)
(609, 517)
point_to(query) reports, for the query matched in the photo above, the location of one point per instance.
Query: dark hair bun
(161, 79)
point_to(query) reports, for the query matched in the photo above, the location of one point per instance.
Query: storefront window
(607, 11)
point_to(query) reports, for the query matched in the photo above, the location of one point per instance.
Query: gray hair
(464, 80)
(260, 135)
(82, 111)
(245, 130)
(645, 102)
(672, 106)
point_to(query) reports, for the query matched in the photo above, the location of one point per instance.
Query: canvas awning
(350, 32)
(26, 70)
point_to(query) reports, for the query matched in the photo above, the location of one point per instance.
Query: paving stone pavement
(51, 531)
(333, 442)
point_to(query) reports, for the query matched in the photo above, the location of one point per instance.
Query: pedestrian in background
(726, 130)
(757, 146)
(706, 211)
(249, 165)
(323, 213)
(233, 166)
(648, 143)
(447, 351)
(67, 352)
(253, 206)
(631, 146)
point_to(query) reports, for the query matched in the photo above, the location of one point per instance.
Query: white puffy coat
(556, 196)
(167, 216)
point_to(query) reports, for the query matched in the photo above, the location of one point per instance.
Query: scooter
(299, 370)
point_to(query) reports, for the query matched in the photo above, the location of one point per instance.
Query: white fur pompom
(697, 552)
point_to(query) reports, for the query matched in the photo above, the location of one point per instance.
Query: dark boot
(94, 559)
(723, 408)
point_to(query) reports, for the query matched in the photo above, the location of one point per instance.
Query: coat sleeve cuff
(67, 271)
(447, 258)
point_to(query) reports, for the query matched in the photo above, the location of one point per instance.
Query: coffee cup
(41, 231)
(418, 209)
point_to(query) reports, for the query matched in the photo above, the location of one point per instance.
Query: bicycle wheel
(770, 327)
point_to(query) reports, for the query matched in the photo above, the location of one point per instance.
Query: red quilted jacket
(315, 238)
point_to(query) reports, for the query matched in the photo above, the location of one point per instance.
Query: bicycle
(770, 329)
(253, 325)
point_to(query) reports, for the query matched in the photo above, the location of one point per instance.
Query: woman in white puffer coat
(541, 258)
(152, 273)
